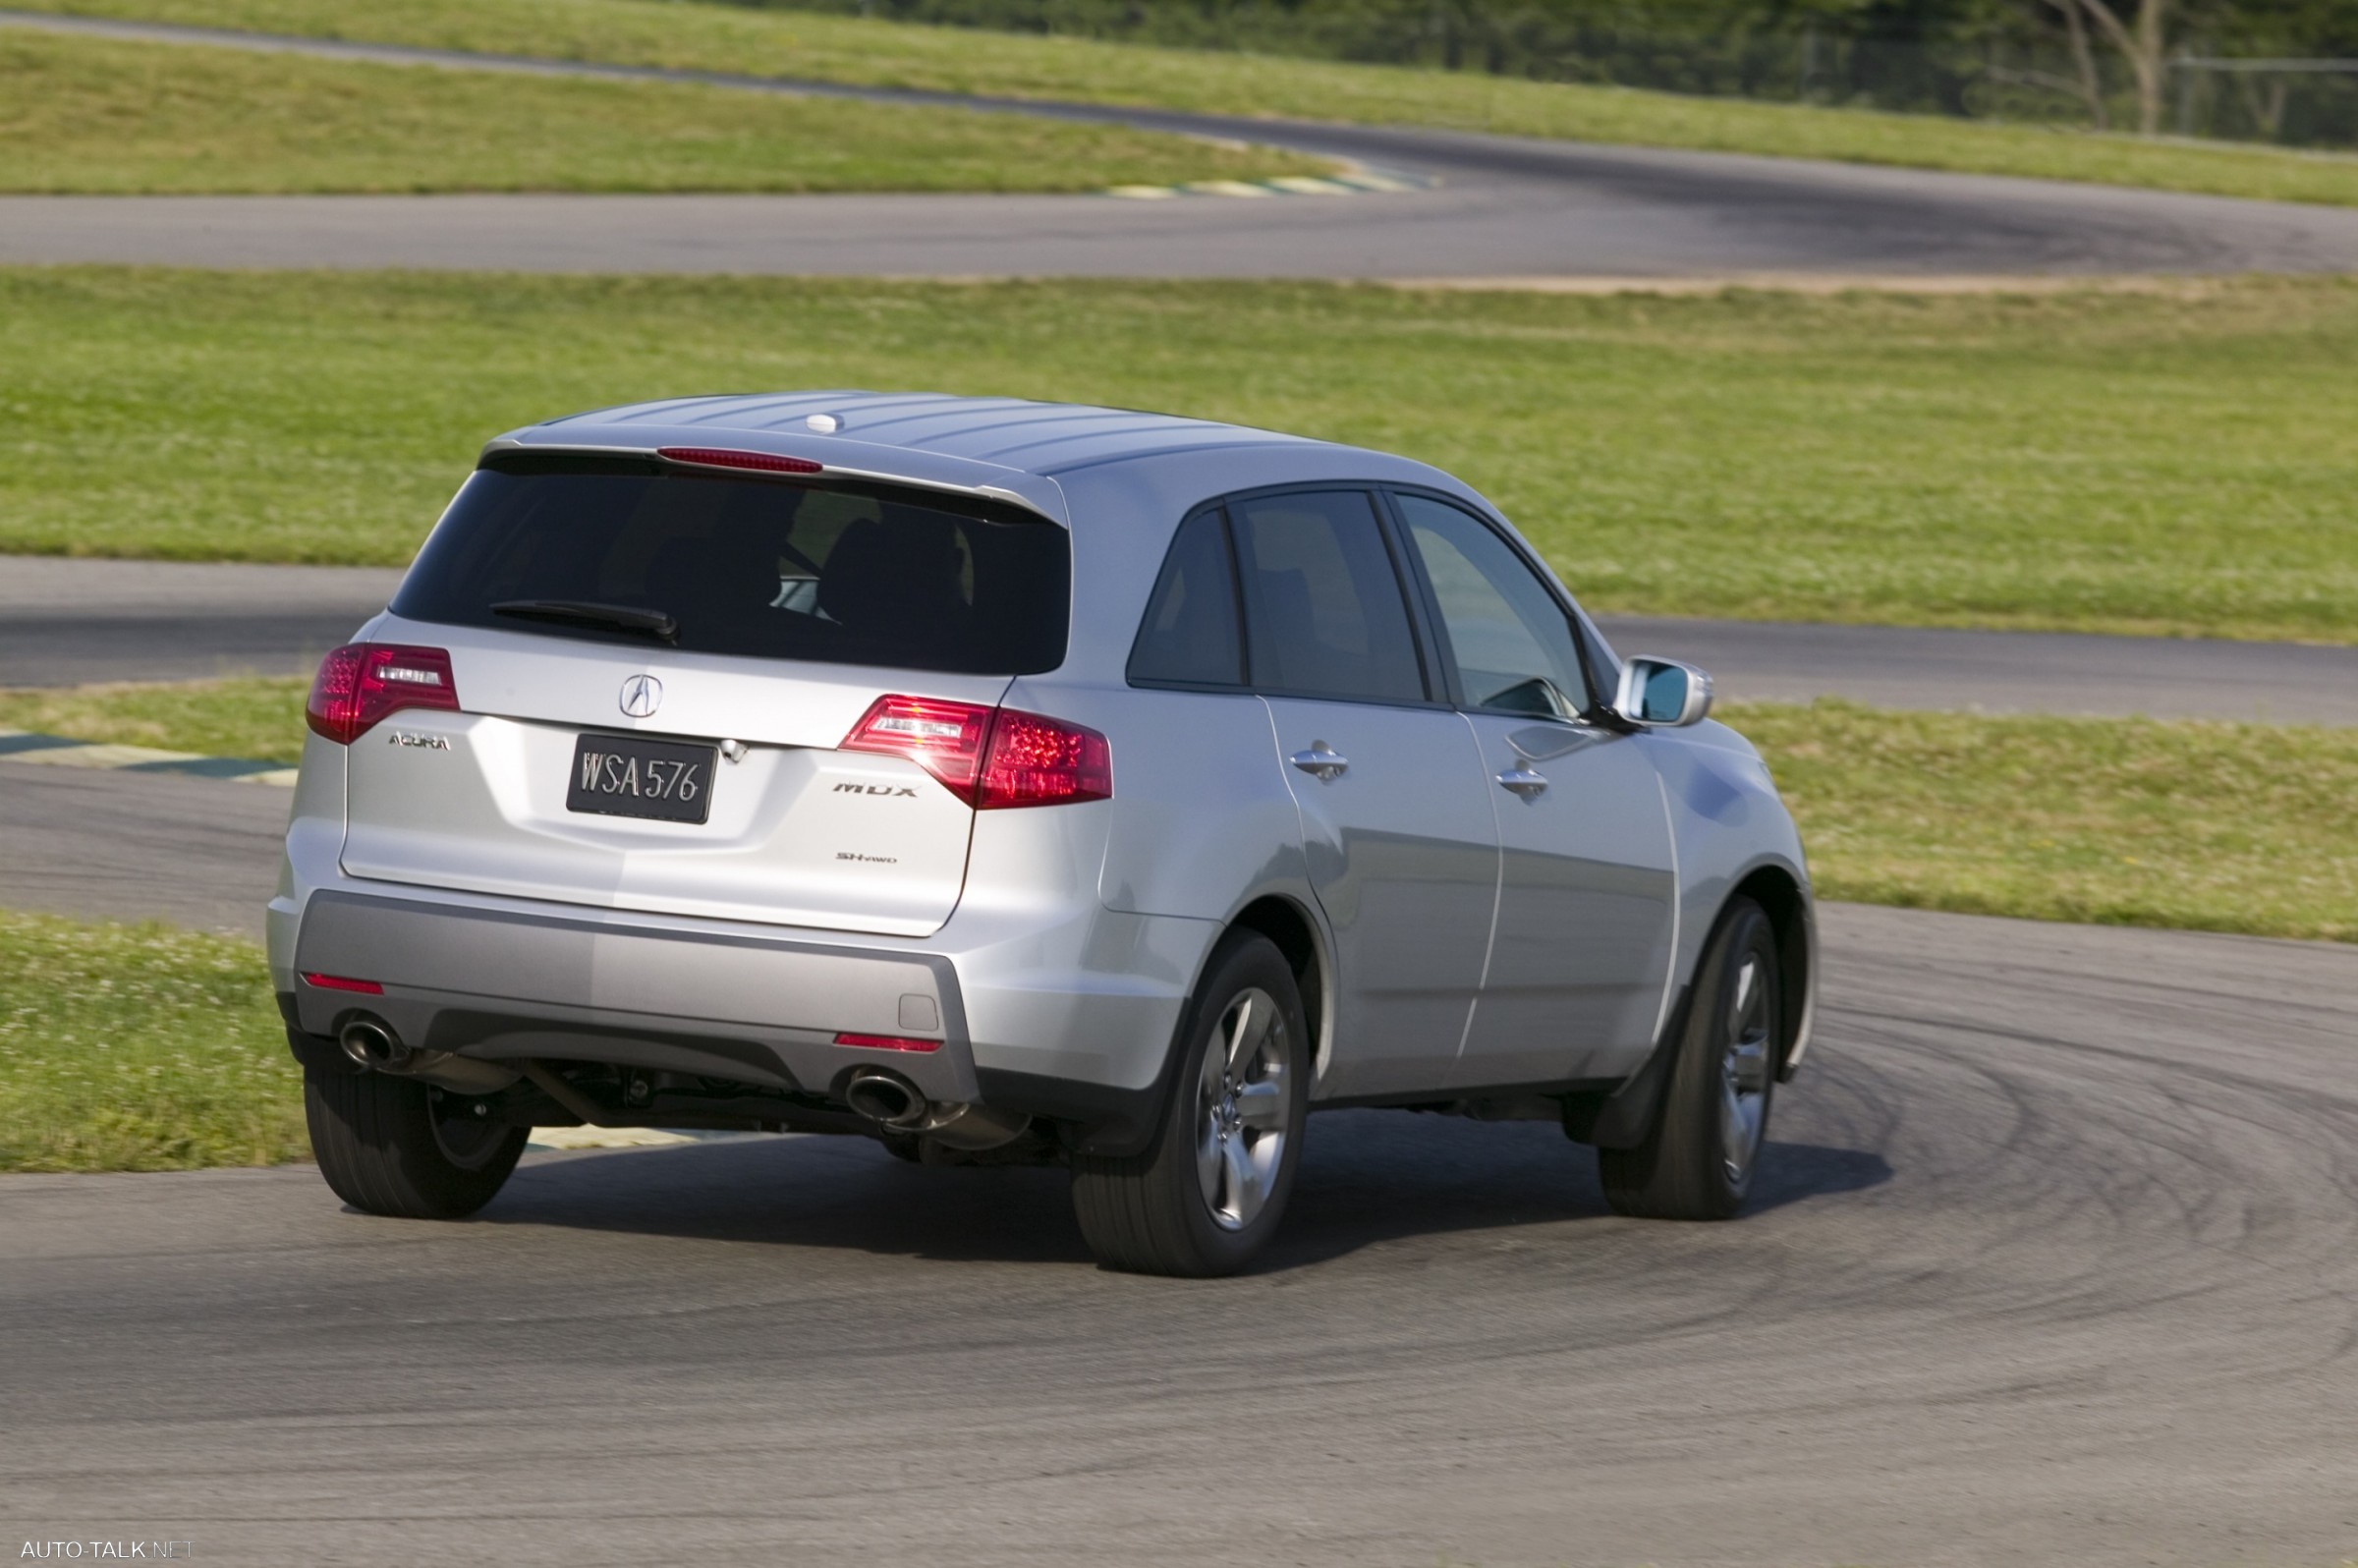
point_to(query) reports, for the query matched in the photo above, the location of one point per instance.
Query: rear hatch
(670, 689)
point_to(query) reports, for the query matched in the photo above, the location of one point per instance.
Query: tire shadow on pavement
(1367, 1179)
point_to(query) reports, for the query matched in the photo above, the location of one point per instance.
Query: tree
(2142, 38)
(2091, 80)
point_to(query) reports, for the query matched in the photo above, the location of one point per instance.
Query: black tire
(1156, 1214)
(1721, 1082)
(396, 1147)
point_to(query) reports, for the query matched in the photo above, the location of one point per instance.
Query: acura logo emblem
(642, 695)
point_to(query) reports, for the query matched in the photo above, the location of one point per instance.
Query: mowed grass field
(2177, 463)
(139, 1048)
(842, 48)
(2233, 827)
(91, 115)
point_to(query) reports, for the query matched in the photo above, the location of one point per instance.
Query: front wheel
(402, 1148)
(1210, 1190)
(1697, 1161)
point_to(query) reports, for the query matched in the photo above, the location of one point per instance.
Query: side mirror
(1663, 693)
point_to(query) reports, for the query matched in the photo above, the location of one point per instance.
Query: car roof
(1010, 433)
(1135, 475)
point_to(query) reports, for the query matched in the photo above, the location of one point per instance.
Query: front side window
(635, 550)
(1325, 614)
(1511, 640)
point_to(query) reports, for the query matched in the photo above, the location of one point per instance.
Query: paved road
(66, 621)
(97, 845)
(1507, 206)
(70, 621)
(2054, 1263)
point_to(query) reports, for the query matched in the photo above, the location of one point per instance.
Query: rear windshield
(633, 550)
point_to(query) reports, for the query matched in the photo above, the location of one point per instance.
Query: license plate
(624, 775)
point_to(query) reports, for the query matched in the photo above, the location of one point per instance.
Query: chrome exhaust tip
(372, 1044)
(886, 1098)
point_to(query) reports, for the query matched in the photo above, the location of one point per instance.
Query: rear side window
(1191, 636)
(1323, 606)
(822, 571)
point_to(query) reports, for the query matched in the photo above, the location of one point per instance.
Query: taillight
(361, 683)
(945, 739)
(721, 457)
(992, 759)
(1043, 761)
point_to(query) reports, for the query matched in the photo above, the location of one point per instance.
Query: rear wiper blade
(607, 617)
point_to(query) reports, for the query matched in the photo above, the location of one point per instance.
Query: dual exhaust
(876, 1094)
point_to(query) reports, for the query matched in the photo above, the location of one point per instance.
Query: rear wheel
(400, 1148)
(1211, 1190)
(1697, 1163)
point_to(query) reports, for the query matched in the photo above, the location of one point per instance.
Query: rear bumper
(501, 984)
(1076, 1006)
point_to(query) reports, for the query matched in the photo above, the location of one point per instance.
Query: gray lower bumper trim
(497, 983)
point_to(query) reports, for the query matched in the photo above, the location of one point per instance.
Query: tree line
(2107, 63)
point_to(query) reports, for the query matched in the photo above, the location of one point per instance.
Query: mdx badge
(642, 695)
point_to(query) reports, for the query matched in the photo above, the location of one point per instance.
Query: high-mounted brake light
(888, 1042)
(721, 457)
(992, 759)
(361, 683)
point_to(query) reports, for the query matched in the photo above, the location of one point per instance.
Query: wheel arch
(1295, 932)
(1782, 897)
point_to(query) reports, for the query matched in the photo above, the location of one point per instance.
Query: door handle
(1322, 762)
(1524, 782)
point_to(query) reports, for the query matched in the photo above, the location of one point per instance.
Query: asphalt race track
(2054, 1264)
(68, 622)
(1506, 207)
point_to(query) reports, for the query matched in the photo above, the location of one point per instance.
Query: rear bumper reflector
(888, 1042)
(341, 982)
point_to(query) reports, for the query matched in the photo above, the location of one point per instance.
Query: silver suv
(1018, 782)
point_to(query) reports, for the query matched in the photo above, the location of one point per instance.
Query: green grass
(880, 53)
(256, 717)
(139, 1048)
(2233, 827)
(2164, 464)
(95, 115)
(2225, 827)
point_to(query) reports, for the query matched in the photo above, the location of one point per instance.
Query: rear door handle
(1322, 762)
(1524, 782)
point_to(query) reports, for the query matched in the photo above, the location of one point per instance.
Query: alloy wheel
(1241, 1110)
(1744, 1068)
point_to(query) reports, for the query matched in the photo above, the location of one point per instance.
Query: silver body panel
(1403, 859)
(1465, 936)
(1580, 972)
